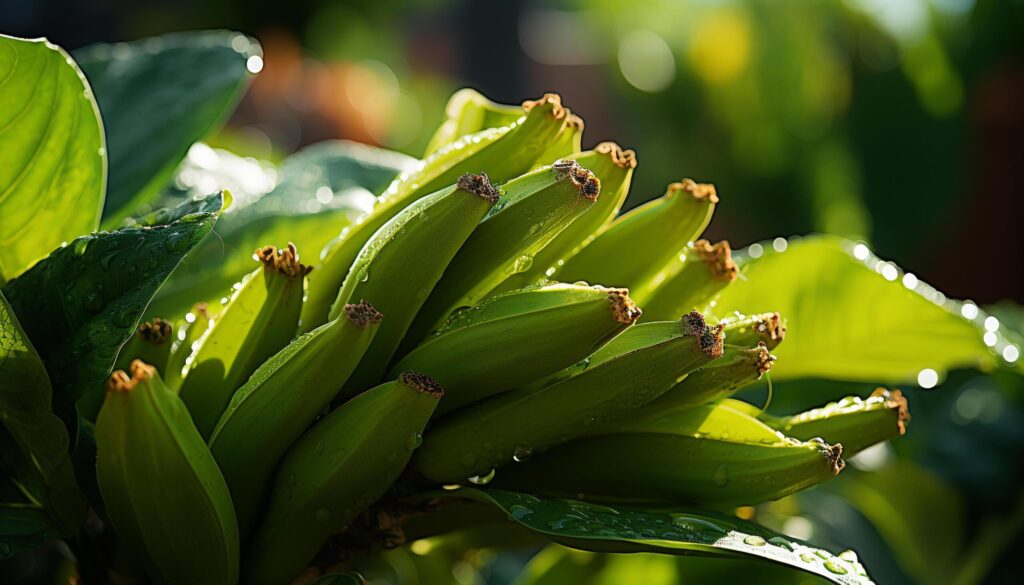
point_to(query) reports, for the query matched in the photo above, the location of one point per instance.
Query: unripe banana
(532, 210)
(855, 422)
(197, 321)
(259, 320)
(615, 168)
(503, 153)
(336, 470)
(709, 455)
(281, 399)
(631, 370)
(518, 337)
(767, 328)
(469, 112)
(404, 260)
(163, 492)
(151, 343)
(566, 143)
(631, 250)
(690, 280)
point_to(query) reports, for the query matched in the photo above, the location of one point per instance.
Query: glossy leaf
(33, 442)
(318, 190)
(83, 302)
(51, 145)
(158, 96)
(684, 532)
(852, 316)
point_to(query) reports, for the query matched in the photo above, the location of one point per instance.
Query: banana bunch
(493, 318)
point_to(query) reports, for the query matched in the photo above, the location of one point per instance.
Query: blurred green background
(897, 122)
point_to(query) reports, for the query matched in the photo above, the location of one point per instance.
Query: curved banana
(767, 328)
(691, 280)
(151, 343)
(468, 112)
(336, 470)
(197, 321)
(164, 494)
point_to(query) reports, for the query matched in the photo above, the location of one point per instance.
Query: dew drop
(721, 476)
(363, 275)
(522, 264)
(519, 512)
(482, 479)
(835, 567)
(849, 556)
(521, 453)
(93, 302)
(782, 542)
(754, 540)
(807, 558)
(413, 441)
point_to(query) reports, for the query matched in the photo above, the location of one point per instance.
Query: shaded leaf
(852, 316)
(318, 191)
(23, 528)
(158, 96)
(83, 302)
(34, 444)
(51, 145)
(684, 532)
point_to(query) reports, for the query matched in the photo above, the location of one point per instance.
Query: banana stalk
(630, 251)
(691, 280)
(855, 422)
(163, 491)
(197, 321)
(766, 328)
(532, 210)
(503, 153)
(518, 337)
(259, 320)
(469, 112)
(412, 250)
(621, 377)
(336, 470)
(151, 343)
(281, 399)
(709, 455)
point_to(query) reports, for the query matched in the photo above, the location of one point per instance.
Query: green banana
(518, 337)
(412, 250)
(615, 168)
(259, 320)
(629, 371)
(710, 455)
(691, 280)
(163, 491)
(469, 112)
(631, 250)
(151, 343)
(566, 143)
(855, 422)
(532, 210)
(767, 328)
(503, 153)
(197, 321)
(336, 470)
(280, 401)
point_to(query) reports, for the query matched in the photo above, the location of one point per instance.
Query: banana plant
(487, 354)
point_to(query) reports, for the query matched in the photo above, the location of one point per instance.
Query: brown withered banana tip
(586, 181)
(156, 331)
(834, 453)
(710, 338)
(121, 381)
(771, 328)
(362, 314)
(479, 185)
(895, 399)
(623, 307)
(623, 158)
(284, 261)
(422, 383)
(558, 111)
(718, 258)
(573, 121)
(696, 190)
(764, 359)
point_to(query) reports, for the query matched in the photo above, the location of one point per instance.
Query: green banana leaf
(682, 532)
(34, 444)
(82, 303)
(318, 191)
(23, 527)
(51, 147)
(158, 96)
(851, 316)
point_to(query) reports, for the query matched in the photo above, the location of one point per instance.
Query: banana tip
(764, 359)
(622, 158)
(156, 331)
(422, 383)
(573, 122)
(121, 381)
(586, 182)
(624, 310)
(895, 400)
(696, 190)
(718, 258)
(834, 455)
(552, 100)
(770, 328)
(285, 262)
(479, 185)
(710, 339)
(362, 314)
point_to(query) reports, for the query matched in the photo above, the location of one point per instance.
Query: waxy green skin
(258, 321)
(532, 210)
(633, 249)
(155, 352)
(399, 267)
(502, 153)
(688, 283)
(515, 338)
(341, 466)
(162, 488)
(615, 169)
(621, 377)
(278, 403)
(749, 330)
(469, 112)
(708, 455)
(180, 353)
